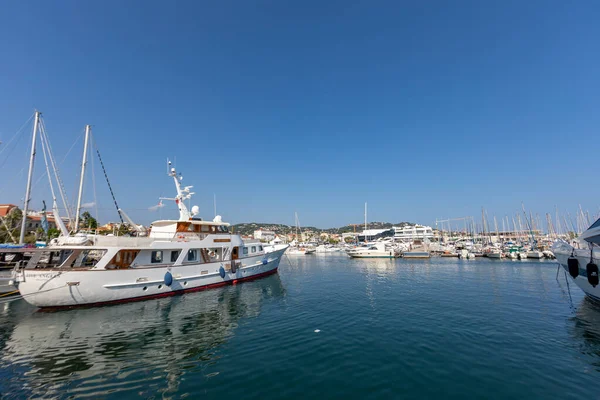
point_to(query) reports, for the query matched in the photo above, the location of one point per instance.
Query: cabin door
(235, 253)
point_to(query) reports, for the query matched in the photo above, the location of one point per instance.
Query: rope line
(107, 181)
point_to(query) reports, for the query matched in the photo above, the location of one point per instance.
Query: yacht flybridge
(177, 256)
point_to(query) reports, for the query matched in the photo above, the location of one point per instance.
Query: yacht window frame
(156, 257)
(189, 253)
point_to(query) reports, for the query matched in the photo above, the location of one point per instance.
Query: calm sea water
(442, 328)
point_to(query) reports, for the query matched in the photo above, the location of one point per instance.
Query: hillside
(248, 228)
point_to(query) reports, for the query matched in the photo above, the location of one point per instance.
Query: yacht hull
(563, 252)
(416, 254)
(371, 256)
(53, 288)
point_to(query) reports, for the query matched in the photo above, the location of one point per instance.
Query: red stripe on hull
(166, 294)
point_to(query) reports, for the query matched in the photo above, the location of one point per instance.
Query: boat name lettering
(44, 276)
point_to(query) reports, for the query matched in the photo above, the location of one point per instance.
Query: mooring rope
(9, 300)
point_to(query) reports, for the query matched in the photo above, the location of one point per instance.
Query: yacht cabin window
(254, 249)
(175, 255)
(245, 250)
(260, 248)
(192, 255)
(157, 257)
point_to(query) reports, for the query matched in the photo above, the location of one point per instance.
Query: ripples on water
(388, 328)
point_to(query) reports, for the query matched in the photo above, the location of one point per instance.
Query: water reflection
(143, 347)
(586, 326)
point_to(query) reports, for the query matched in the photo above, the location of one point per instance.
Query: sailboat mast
(29, 177)
(365, 221)
(83, 165)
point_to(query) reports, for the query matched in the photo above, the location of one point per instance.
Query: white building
(354, 236)
(264, 235)
(408, 233)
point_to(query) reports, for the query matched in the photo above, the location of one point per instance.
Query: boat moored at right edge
(581, 262)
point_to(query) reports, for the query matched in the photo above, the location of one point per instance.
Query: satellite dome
(195, 210)
(217, 219)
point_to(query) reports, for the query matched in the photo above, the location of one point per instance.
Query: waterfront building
(264, 235)
(351, 235)
(34, 218)
(409, 233)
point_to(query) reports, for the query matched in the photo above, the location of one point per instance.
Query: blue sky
(423, 109)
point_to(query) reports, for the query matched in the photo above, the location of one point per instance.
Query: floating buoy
(592, 274)
(573, 265)
(222, 272)
(168, 278)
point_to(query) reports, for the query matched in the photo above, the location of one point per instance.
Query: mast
(365, 221)
(83, 165)
(496, 226)
(29, 177)
(46, 153)
(296, 223)
(558, 228)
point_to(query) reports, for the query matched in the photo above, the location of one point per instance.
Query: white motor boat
(493, 252)
(580, 260)
(373, 250)
(326, 248)
(178, 256)
(535, 254)
(465, 254)
(301, 251)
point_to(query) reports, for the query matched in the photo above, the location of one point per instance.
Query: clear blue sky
(423, 109)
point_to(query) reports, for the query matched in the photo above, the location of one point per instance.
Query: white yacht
(178, 256)
(535, 254)
(579, 260)
(373, 250)
(326, 248)
(493, 252)
(301, 251)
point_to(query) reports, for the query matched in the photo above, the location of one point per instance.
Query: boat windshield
(67, 258)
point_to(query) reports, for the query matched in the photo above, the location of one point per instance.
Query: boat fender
(573, 265)
(233, 267)
(592, 274)
(168, 278)
(265, 262)
(222, 272)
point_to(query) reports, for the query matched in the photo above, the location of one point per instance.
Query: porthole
(185, 283)
(159, 286)
(145, 288)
